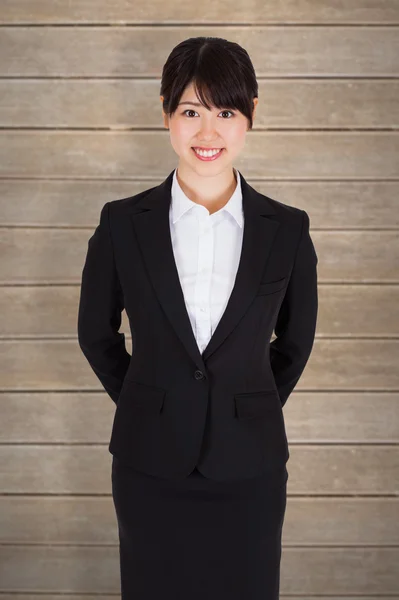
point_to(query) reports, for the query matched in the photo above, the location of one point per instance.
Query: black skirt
(199, 539)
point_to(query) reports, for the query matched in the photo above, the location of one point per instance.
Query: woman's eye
(228, 111)
(190, 110)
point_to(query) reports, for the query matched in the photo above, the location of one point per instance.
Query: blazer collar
(150, 218)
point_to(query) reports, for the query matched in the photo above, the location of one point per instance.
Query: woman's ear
(164, 115)
(255, 103)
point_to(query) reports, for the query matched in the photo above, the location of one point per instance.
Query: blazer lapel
(151, 225)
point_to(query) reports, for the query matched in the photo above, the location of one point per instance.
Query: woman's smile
(207, 155)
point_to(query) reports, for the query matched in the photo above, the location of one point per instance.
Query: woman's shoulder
(129, 201)
(286, 213)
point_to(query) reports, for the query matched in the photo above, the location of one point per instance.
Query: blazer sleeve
(100, 311)
(296, 322)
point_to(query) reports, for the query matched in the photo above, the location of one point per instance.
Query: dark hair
(221, 72)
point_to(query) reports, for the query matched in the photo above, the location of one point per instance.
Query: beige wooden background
(81, 125)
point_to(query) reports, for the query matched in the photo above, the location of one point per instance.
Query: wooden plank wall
(81, 125)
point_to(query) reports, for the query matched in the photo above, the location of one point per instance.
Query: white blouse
(207, 249)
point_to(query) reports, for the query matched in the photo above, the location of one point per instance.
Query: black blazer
(175, 407)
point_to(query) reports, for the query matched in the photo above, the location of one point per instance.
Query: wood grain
(120, 51)
(335, 364)
(51, 310)
(94, 569)
(259, 11)
(311, 417)
(359, 205)
(149, 154)
(322, 469)
(309, 521)
(55, 256)
(283, 104)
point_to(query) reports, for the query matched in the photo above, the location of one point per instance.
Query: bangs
(216, 86)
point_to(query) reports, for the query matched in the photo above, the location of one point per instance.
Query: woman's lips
(208, 158)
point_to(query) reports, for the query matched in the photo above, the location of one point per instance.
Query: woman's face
(194, 126)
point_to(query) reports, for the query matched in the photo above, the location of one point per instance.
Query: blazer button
(199, 374)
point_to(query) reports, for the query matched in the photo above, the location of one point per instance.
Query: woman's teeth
(207, 153)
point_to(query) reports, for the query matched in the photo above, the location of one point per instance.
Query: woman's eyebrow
(192, 103)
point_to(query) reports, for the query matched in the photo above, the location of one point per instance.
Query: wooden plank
(310, 417)
(33, 256)
(330, 204)
(141, 12)
(352, 364)
(333, 417)
(320, 469)
(32, 596)
(309, 521)
(339, 313)
(343, 469)
(354, 571)
(54, 310)
(284, 104)
(65, 417)
(38, 596)
(105, 154)
(335, 364)
(357, 256)
(95, 569)
(317, 521)
(117, 51)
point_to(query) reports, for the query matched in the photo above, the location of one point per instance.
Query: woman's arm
(296, 322)
(100, 307)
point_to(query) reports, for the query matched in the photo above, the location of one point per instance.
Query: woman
(206, 267)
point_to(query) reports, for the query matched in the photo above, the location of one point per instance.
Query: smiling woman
(197, 538)
(205, 267)
(209, 96)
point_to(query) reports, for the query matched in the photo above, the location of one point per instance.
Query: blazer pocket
(251, 405)
(268, 287)
(143, 397)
